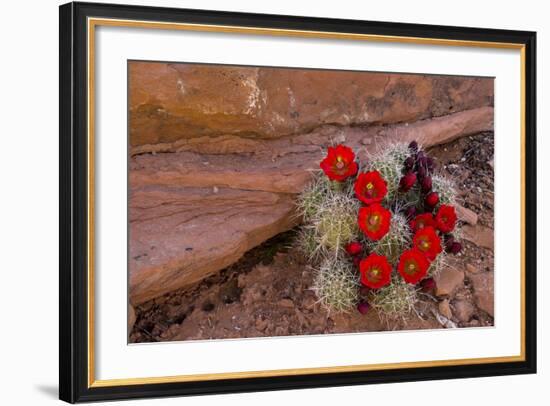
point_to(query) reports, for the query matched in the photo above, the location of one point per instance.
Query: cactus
(337, 284)
(394, 242)
(330, 210)
(389, 162)
(395, 300)
(445, 188)
(330, 213)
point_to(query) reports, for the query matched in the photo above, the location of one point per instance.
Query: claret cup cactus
(376, 233)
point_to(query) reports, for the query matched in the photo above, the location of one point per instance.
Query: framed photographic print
(258, 202)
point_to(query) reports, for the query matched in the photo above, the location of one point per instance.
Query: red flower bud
(407, 182)
(410, 212)
(422, 162)
(431, 199)
(413, 146)
(426, 184)
(456, 247)
(357, 260)
(363, 307)
(409, 162)
(420, 155)
(354, 248)
(421, 173)
(449, 240)
(427, 284)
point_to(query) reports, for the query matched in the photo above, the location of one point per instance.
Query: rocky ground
(267, 292)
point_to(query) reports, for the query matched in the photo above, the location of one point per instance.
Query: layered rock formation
(218, 154)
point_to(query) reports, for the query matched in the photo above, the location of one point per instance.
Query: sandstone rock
(445, 309)
(429, 132)
(479, 235)
(261, 324)
(472, 268)
(483, 284)
(466, 215)
(453, 94)
(445, 129)
(180, 235)
(286, 303)
(463, 310)
(172, 102)
(444, 321)
(448, 281)
(131, 317)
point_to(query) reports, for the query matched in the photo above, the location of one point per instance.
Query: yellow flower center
(340, 162)
(374, 219)
(374, 272)
(424, 244)
(370, 185)
(412, 267)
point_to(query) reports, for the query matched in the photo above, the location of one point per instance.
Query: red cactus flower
(407, 182)
(427, 241)
(445, 219)
(374, 221)
(354, 248)
(370, 187)
(421, 221)
(413, 266)
(375, 271)
(431, 199)
(339, 164)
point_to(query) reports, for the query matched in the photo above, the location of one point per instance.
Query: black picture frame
(73, 284)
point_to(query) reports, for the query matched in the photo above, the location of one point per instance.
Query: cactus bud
(409, 162)
(426, 184)
(354, 248)
(407, 182)
(456, 247)
(427, 284)
(410, 212)
(363, 307)
(431, 199)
